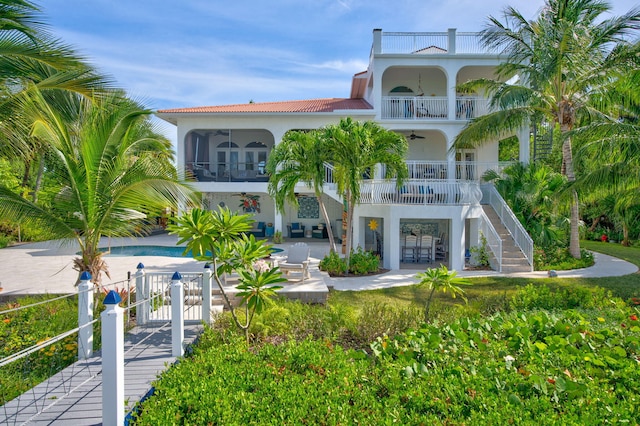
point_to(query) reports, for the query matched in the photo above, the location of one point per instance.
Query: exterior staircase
(513, 260)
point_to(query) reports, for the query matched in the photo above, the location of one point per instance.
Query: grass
(489, 291)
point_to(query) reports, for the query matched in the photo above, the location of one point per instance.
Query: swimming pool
(166, 251)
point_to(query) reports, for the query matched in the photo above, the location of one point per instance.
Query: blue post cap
(140, 266)
(85, 276)
(176, 276)
(112, 298)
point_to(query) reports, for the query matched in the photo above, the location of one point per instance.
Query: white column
(112, 361)
(391, 242)
(206, 293)
(177, 315)
(456, 244)
(85, 317)
(142, 295)
(452, 41)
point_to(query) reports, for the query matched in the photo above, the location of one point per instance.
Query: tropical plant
(220, 237)
(531, 191)
(299, 157)
(33, 59)
(559, 68)
(356, 149)
(108, 180)
(441, 279)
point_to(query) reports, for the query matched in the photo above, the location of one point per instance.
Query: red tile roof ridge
(308, 105)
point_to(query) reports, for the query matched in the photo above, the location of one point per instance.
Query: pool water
(166, 251)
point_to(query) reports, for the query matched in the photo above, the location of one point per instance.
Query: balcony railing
(420, 192)
(415, 107)
(431, 107)
(464, 170)
(431, 43)
(228, 172)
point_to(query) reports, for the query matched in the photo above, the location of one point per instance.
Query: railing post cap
(112, 298)
(85, 276)
(140, 266)
(176, 276)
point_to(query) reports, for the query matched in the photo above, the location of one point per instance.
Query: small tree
(441, 279)
(220, 237)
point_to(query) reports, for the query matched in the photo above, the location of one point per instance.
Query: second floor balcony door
(465, 164)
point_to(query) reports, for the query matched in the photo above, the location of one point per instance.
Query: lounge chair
(297, 261)
(296, 230)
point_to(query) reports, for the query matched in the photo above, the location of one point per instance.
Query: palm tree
(108, 182)
(356, 149)
(565, 62)
(30, 57)
(609, 155)
(531, 191)
(299, 157)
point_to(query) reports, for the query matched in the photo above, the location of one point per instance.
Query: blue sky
(183, 53)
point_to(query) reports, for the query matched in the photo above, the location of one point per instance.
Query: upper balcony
(431, 43)
(432, 108)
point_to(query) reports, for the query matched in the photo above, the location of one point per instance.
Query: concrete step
(513, 260)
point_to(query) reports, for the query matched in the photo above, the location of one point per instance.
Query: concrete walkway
(47, 267)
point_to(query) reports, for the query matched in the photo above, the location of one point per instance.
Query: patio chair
(297, 261)
(409, 248)
(296, 230)
(426, 248)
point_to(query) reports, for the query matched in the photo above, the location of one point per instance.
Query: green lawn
(492, 291)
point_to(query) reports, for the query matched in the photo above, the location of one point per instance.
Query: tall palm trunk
(327, 221)
(567, 170)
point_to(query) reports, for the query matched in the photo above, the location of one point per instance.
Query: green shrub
(560, 259)
(542, 297)
(378, 319)
(361, 262)
(333, 264)
(27, 327)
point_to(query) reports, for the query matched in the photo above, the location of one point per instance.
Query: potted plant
(277, 237)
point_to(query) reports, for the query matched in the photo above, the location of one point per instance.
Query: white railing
(433, 43)
(494, 242)
(415, 107)
(158, 287)
(464, 170)
(468, 107)
(522, 239)
(432, 107)
(420, 192)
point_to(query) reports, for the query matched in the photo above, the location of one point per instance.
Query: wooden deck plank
(143, 365)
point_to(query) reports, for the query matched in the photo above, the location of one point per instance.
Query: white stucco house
(409, 87)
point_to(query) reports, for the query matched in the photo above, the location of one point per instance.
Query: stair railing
(493, 241)
(522, 239)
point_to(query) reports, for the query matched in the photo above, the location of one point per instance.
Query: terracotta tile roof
(311, 105)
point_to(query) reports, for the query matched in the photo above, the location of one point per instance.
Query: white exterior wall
(445, 70)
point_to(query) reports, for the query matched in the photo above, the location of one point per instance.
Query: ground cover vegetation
(519, 351)
(22, 329)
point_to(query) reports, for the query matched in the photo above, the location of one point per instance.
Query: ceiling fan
(413, 136)
(221, 132)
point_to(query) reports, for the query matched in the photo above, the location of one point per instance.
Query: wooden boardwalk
(74, 396)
